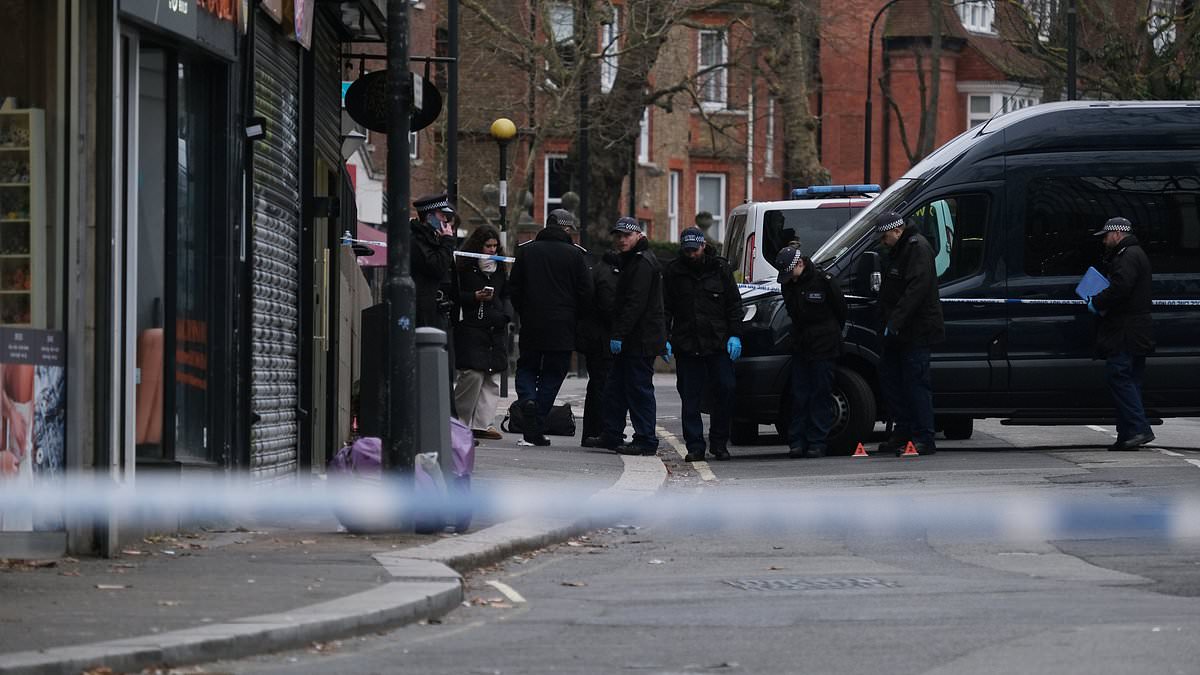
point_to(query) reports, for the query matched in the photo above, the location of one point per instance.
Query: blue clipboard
(1091, 284)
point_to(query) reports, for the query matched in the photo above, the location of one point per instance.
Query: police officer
(1125, 330)
(703, 333)
(592, 335)
(815, 303)
(431, 257)
(639, 334)
(910, 320)
(549, 284)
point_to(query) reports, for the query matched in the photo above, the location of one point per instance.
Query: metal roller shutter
(327, 85)
(275, 313)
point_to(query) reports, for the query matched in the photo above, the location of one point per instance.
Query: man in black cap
(910, 320)
(591, 340)
(815, 303)
(704, 324)
(432, 255)
(549, 284)
(1125, 329)
(639, 334)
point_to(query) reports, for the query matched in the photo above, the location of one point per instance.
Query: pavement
(263, 586)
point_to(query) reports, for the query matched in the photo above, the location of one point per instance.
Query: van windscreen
(812, 227)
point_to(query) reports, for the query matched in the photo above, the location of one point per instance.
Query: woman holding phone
(480, 331)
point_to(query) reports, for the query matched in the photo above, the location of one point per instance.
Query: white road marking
(701, 468)
(1193, 462)
(1170, 453)
(1102, 430)
(508, 591)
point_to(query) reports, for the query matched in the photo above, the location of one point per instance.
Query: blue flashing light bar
(819, 191)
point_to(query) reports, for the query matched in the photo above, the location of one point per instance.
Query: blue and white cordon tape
(768, 287)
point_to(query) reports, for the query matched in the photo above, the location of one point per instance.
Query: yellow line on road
(701, 468)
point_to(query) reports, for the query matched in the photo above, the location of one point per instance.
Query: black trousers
(599, 364)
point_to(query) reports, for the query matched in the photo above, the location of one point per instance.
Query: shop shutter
(327, 86)
(275, 312)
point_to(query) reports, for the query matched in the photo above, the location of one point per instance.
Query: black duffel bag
(560, 421)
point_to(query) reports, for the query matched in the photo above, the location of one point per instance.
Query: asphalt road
(781, 589)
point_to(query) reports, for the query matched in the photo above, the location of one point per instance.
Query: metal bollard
(433, 396)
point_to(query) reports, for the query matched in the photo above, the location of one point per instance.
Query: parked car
(1009, 207)
(759, 230)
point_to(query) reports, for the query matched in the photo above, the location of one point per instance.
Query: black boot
(720, 452)
(532, 425)
(694, 456)
(893, 444)
(815, 451)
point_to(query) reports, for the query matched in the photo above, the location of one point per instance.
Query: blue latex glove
(887, 330)
(1091, 307)
(734, 347)
(667, 357)
(614, 346)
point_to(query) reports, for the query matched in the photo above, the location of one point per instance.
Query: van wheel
(957, 427)
(853, 412)
(743, 433)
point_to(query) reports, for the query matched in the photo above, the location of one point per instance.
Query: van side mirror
(867, 275)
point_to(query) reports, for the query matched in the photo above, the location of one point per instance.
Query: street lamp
(503, 130)
(870, 63)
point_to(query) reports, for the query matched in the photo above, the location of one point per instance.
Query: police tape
(484, 256)
(774, 287)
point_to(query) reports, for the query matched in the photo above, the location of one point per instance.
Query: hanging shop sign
(273, 9)
(302, 21)
(367, 102)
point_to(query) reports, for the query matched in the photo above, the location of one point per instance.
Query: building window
(673, 204)
(610, 34)
(985, 105)
(977, 15)
(413, 148)
(557, 181)
(561, 22)
(769, 160)
(1042, 14)
(711, 70)
(1160, 22)
(644, 137)
(710, 197)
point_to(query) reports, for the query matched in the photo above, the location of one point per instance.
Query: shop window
(1063, 212)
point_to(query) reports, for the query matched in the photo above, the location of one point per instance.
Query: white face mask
(487, 266)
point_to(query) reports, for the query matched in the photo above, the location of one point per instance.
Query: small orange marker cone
(860, 451)
(910, 450)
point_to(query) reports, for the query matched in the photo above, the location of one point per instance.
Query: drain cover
(817, 584)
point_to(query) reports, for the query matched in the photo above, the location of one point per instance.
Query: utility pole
(1071, 16)
(400, 293)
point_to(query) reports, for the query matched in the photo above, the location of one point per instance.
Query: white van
(759, 230)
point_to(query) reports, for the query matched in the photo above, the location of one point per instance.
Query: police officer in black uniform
(431, 258)
(591, 339)
(704, 335)
(910, 320)
(1125, 329)
(549, 283)
(815, 303)
(639, 334)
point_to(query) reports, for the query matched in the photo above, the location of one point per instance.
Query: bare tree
(929, 79)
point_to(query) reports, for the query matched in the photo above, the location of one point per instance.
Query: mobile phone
(489, 290)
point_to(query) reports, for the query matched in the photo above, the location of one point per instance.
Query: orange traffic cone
(860, 451)
(910, 450)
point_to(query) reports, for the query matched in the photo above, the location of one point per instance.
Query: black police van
(1009, 206)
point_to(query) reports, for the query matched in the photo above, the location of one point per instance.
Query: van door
(968, 259)
(1058, 200)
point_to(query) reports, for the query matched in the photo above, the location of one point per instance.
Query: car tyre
(957, 427)
(854, 412)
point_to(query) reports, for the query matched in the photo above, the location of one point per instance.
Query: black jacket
(595, 319)
(430, 261)
(550, 283)
(702, 304)
(1125, 324)
(817, 308)
(638, 318)
(480, 329)
(909, 305)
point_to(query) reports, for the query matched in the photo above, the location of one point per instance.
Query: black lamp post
(503, 130)
(867, 111)
(1071, 16)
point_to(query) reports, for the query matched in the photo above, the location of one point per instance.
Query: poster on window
(32, 419)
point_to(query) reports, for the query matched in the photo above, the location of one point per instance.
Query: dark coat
(909, 305)
(1125, 324)
(639, 321)
(430, 261)
(702, 303)
(817, 308)
(550, 283)
(480, 329)
(595, 319)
